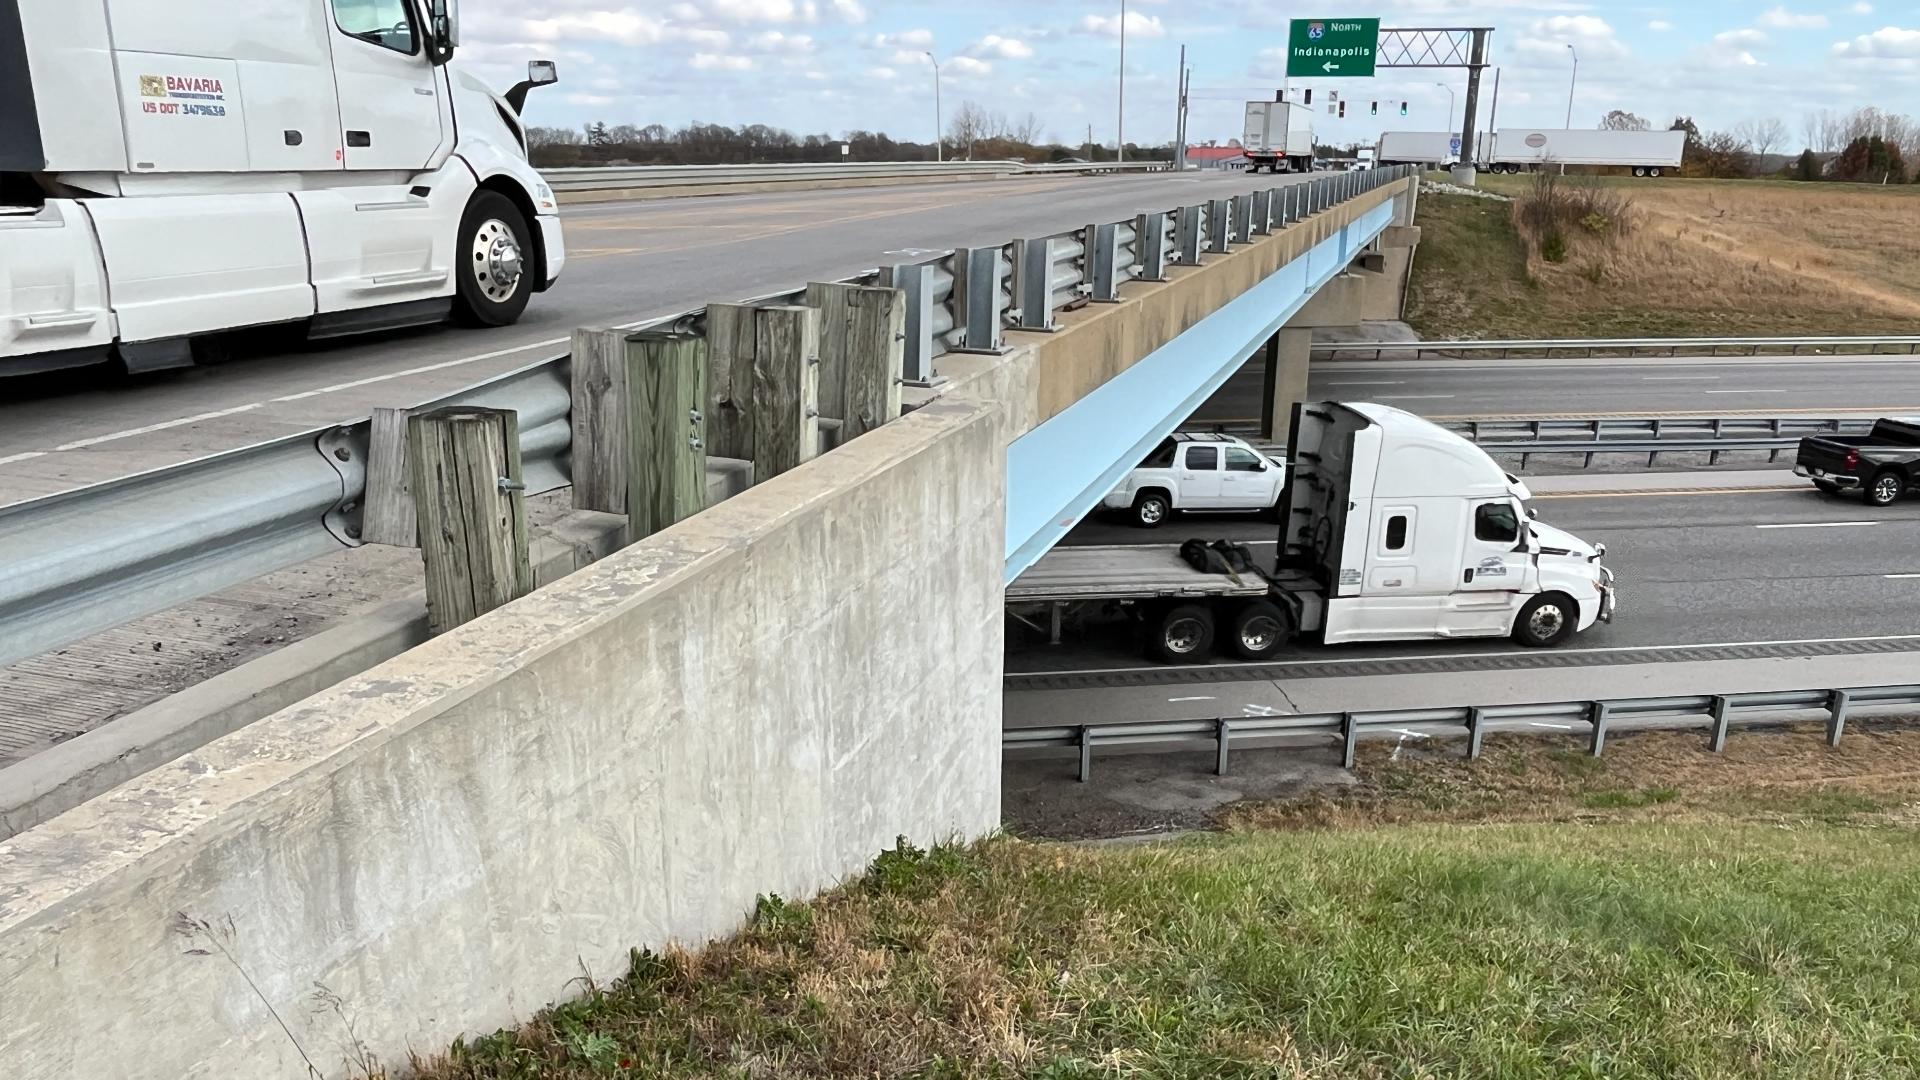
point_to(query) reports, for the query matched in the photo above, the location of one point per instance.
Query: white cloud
(1002, 48)
(1545, 42)
(627, 27)
(590, 99)
(884, 74)
(1138, 25)
(968, 66)
(1734, 48)
(1886, 43)
(850, 11)
(705, 39)
(1862, 8)
(749, 12)
(1660, 25)
(905, 39)
(773, 41)
(1781, 19)
(907, 58)
(721, 62)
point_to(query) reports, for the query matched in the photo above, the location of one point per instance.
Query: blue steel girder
(1058, 472)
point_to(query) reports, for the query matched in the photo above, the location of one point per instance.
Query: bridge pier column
(1287, 355)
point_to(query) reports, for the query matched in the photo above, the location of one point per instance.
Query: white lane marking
(1201, 698)
(1594, 651)
(1556, 727)
(1370, 382)
(1679, 378)
(161, 426)
(1818, 525)
(1417, 397)
(1901, 577)
(11, 458)
(1743, 391)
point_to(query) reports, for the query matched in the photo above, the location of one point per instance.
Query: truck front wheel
(492, 257)
(1183, 634)
(1150, 509)
(1260, 629)
(1885, 488)
(1546, 621)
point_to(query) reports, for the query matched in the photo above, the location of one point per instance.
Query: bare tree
(970, 124)
(1620, 120)
(1027, 130)
(1761, 135)
(552, 136)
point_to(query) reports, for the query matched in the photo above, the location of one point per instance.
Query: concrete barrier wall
(756, 700)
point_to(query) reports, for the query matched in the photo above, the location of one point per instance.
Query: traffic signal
(1403, 108)
(1309, 99)
(1373, 108)
(1343, 110)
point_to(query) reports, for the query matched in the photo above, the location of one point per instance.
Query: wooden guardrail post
(730, 340)
(785, 402)
(389, 516)
(863, 340)
(599, 419)
(667, 429)
(470, 501)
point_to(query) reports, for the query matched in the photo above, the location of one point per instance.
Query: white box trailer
(172, 170)
(1647, 153)
(1393, 529)
(1429, 148)
(1279, 136)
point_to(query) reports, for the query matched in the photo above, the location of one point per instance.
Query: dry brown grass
(1705, 258)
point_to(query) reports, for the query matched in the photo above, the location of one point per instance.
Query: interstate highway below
(1702, 574)
(627, 262)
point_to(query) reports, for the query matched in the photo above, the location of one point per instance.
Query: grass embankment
(1686, 258)
(1650, 921)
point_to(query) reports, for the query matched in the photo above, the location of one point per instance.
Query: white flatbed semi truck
(1394, 529)
(172, 170)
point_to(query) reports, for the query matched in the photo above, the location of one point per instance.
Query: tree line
(970, 132)
(1864, 145)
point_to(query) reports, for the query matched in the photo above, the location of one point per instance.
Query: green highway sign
(1332, 48)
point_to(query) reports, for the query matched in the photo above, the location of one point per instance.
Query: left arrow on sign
(1330, 66)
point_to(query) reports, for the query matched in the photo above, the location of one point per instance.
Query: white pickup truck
(1193, 471)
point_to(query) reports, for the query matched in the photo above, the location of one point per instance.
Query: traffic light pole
(1463, 173)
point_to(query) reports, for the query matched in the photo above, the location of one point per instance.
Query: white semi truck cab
(172, 170)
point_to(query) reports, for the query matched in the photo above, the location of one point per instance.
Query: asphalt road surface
(627, 262)
(1644, 386)
(1769, 572)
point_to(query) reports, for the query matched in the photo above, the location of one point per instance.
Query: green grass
(1631, 949)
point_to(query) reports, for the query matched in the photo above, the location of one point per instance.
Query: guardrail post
(1839, 703)
(1476, 731)
(1103, 262)
(915, 281)
(1242, 231)
(1262, 220)
(830, 299)
(1349, 739)
(978, 302)
(1717, 734)
(597, 374)
(390, 517)
(666, 407)
(1036, 285)
(471, 504)
(1219, 226)
(786, 387)
(1187, 236)
(730, 381)
(1598, 713)
(1086, 752)
(1150, 246)
(1222, 737)
(876, 337)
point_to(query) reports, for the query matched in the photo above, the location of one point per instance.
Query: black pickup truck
(1884, 463)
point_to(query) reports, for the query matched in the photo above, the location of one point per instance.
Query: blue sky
(836, 65)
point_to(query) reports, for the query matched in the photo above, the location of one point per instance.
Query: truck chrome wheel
(1185, 635)
(497, 261)
(1545, 622)
(1259, 633)
(1885, 490)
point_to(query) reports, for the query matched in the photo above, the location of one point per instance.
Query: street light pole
(1450, 101)
(1120, 121)
(939, 135)
(1571, 80)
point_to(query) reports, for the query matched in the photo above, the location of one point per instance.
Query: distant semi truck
(1647, 153)
(1429, 148)
(1278, 136)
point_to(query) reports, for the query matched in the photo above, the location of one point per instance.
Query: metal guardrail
(1551, 348)
(1653, 436)
(81, 561)
(1716, 712)
(623, 177)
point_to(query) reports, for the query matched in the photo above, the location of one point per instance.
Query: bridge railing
(1565, 348)
(1653, 436)
(640, 177)
(1715, 712)
(88, 559)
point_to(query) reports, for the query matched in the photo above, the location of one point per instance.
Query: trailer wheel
(1260, 629)
(1182, 634)
(1885, 488)
(1654, 171)
(1546, 621)
(492, 257)
(1639, 170)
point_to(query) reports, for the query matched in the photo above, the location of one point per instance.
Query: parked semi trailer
(1392, 528)
(171, 170)
(1647, 153)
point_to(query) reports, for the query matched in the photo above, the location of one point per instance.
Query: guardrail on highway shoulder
(88, 559)
(625, 177)
(1653, 436)
(1716, 712)
(1550, 348)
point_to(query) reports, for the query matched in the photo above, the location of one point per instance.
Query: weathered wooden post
(730, 339)
(785, 402)
(876, 358)
(389, 517)
(599, 419)
(667, 429)
(471, 507)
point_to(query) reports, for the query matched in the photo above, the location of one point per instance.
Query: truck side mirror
(539, 73)
(443, 30)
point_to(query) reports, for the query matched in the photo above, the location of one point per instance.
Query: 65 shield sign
(1332, 48)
